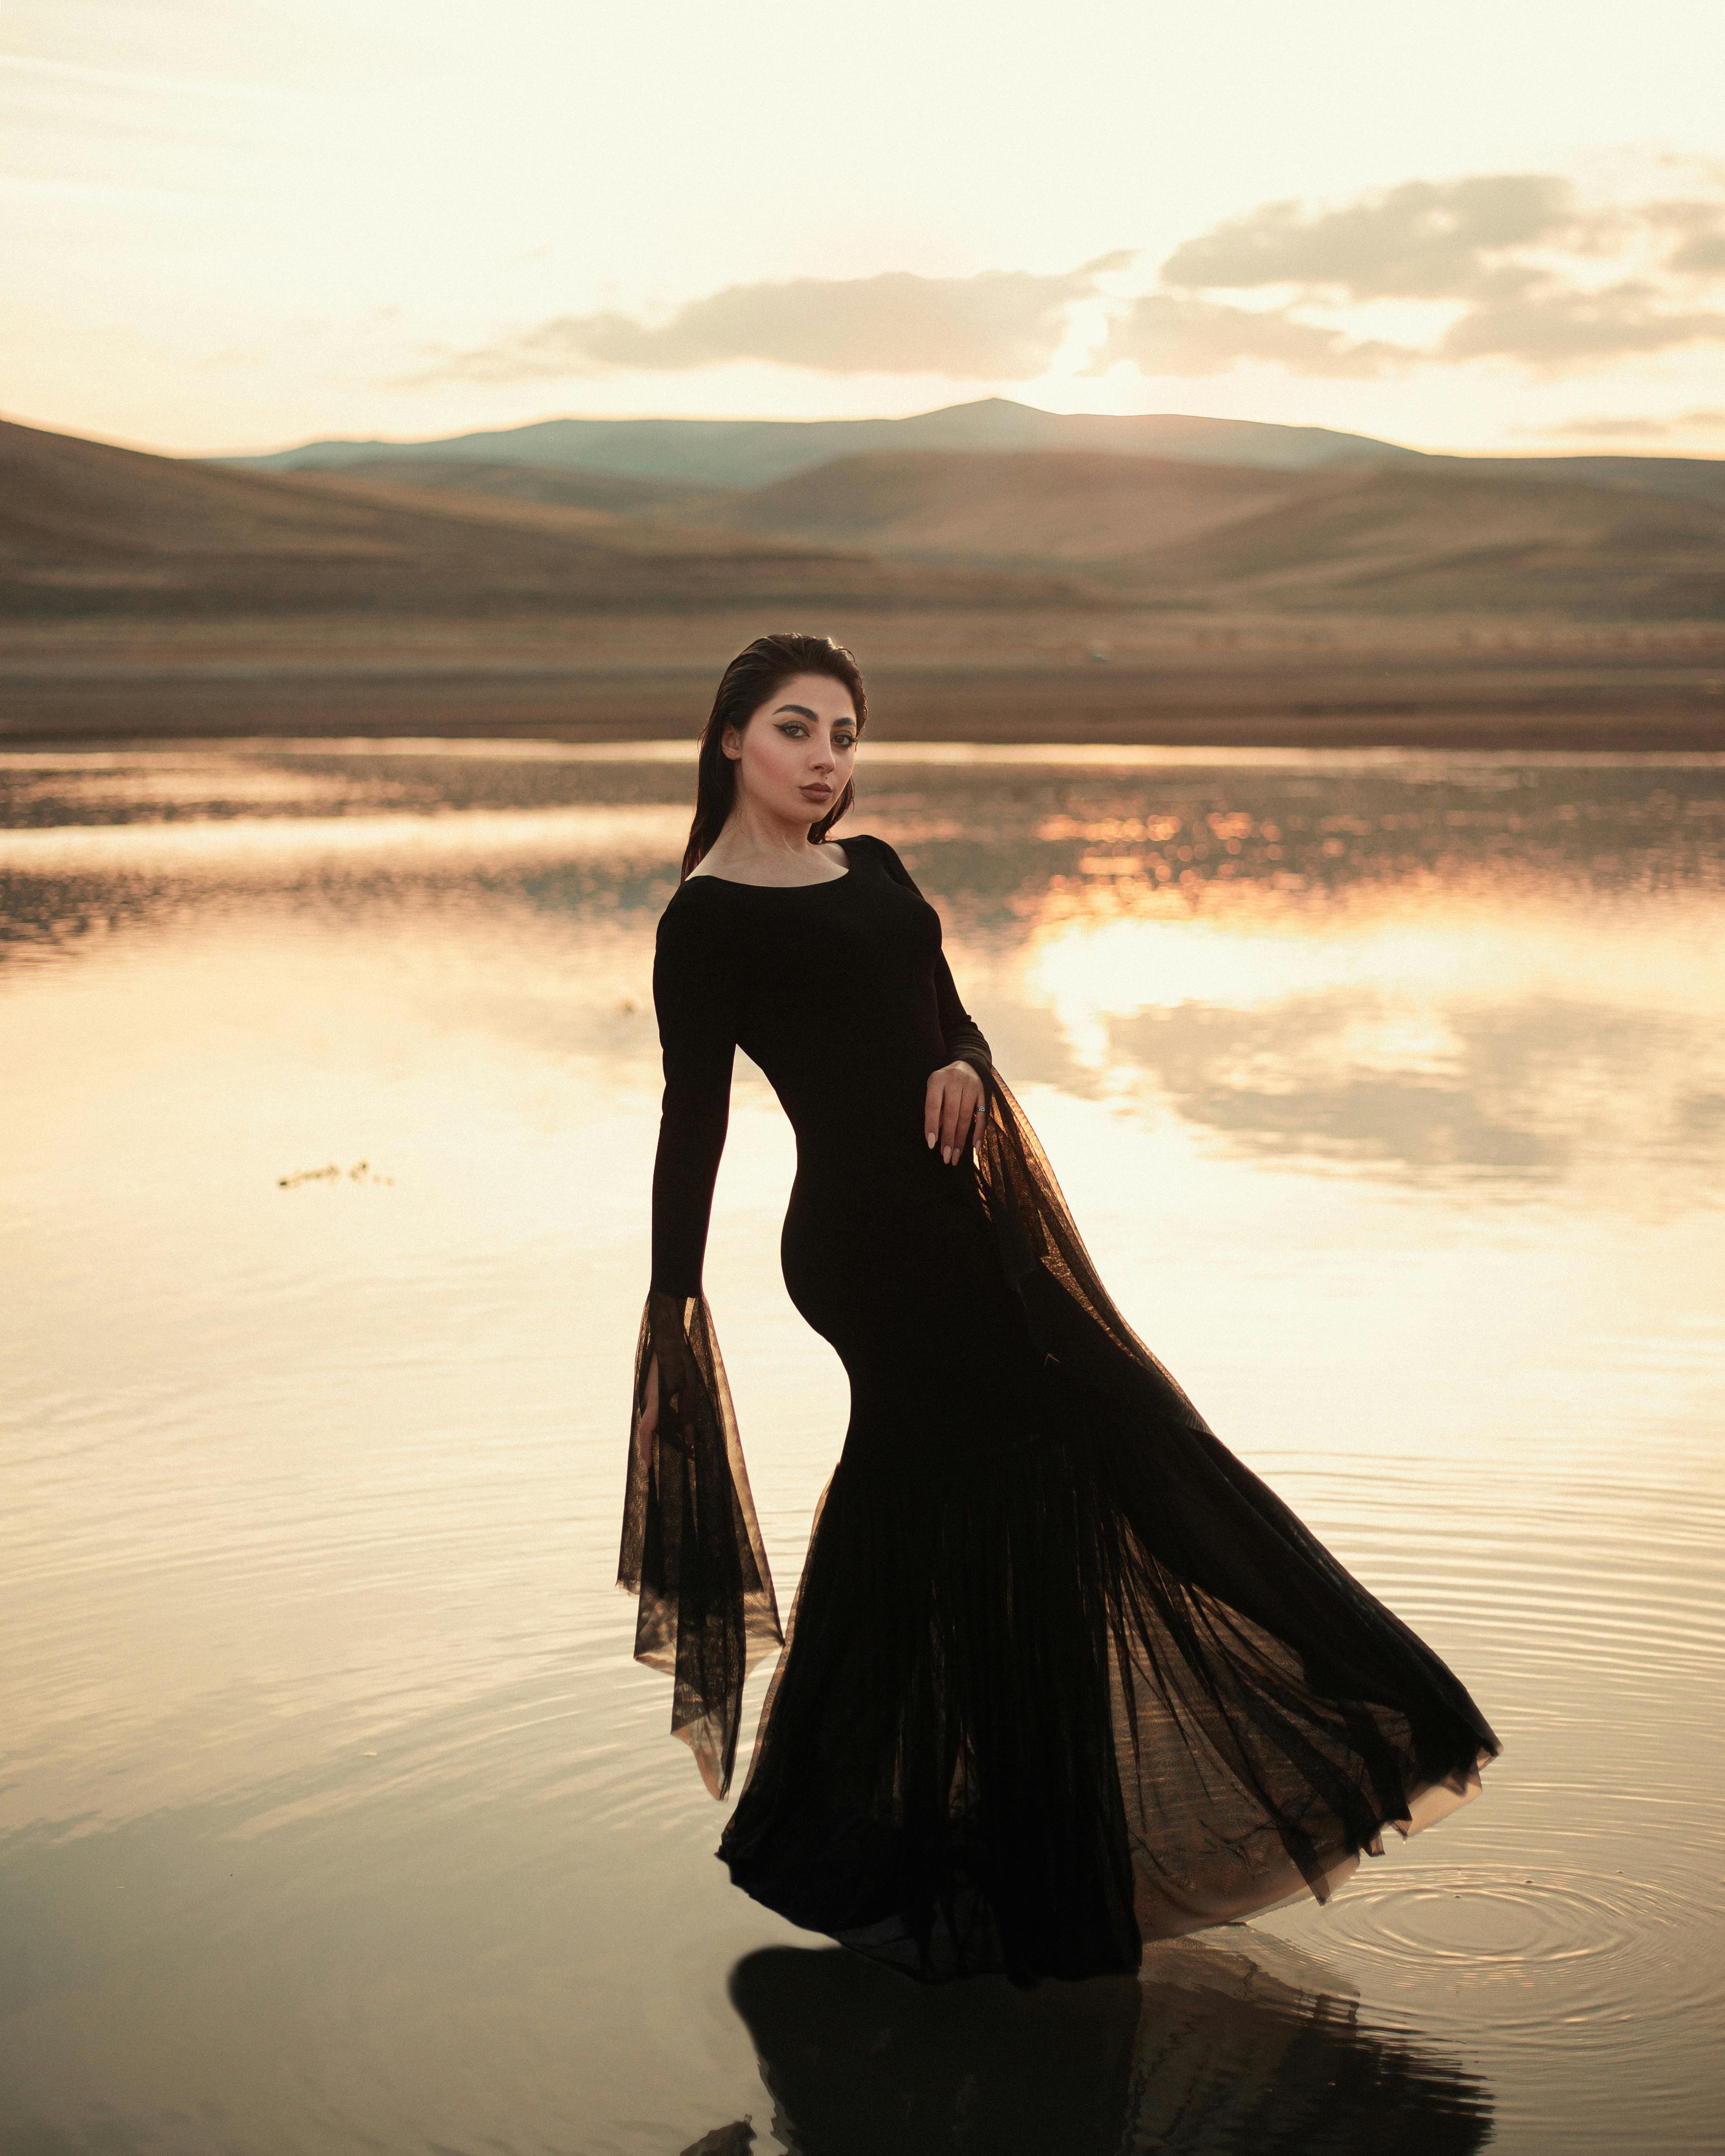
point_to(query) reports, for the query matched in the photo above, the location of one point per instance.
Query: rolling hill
(1023, 595)
(551, 486)
(1432, 540)
(86, 528)
(1435, 536)
(1685, 479)
(1034, 506)
(742, 454)
(1569, 538)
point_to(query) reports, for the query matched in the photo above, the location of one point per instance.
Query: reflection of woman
(1063, 1676)
(1206, 2049)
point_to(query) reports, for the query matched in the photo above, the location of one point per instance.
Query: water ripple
(1554, 1950)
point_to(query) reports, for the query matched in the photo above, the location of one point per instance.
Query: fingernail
(930, 1135)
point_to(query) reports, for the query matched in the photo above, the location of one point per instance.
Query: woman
(1062, 1675)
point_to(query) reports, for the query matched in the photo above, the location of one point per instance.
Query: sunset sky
(239, 223)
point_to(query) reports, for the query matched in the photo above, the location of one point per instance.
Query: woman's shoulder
(689, 916)
(696, 948)
(868, 846)
(865, 845)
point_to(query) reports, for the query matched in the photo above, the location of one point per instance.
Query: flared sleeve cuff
(691, 1549)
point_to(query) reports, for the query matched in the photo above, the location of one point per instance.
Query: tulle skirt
(1062, 1675)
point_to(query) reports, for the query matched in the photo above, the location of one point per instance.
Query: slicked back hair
(752, 680)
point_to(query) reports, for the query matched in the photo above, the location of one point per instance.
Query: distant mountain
(743, 453)
(86, 528)
(554, 486)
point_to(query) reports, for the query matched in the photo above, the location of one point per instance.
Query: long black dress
(1062, 1675)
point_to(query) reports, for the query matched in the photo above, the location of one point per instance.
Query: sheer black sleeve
(966, 1041)
(691, 1546)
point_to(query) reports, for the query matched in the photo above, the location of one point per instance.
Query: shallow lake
(1389, 1091)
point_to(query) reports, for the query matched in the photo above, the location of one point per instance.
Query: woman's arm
(696, 1002)
(691, 1547)
(958, 1092)
(966, 1041)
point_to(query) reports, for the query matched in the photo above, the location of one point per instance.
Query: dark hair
(752, 680)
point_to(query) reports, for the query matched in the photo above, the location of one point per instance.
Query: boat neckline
(737, 883)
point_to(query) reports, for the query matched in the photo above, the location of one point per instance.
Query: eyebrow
(802, 711)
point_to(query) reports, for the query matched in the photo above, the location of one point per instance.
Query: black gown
(1062, 1675)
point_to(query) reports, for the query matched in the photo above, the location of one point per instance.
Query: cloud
(1423, 240)
(1522, 268)
(1636, 429)
(1170, 333)
(1699, 230)
(1519, 270)
(1000, 325)
(1557, 330)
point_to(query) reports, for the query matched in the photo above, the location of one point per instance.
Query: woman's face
(793, 757)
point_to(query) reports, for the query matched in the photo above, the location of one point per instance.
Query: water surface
(1389, 1091)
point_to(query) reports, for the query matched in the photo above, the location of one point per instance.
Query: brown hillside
(1692, 479)
(1412, 538)
(1030, 505)
(615, 493)
(86, 528)
(1361, 538)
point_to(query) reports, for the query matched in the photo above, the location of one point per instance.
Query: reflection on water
(1211, 2051)
(334, 1813)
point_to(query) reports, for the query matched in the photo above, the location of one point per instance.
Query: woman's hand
(647, 1422)
(673, 1381)
(952, 1111)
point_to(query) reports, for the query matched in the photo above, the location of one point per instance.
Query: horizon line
(693, 419)
(1645, 450)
